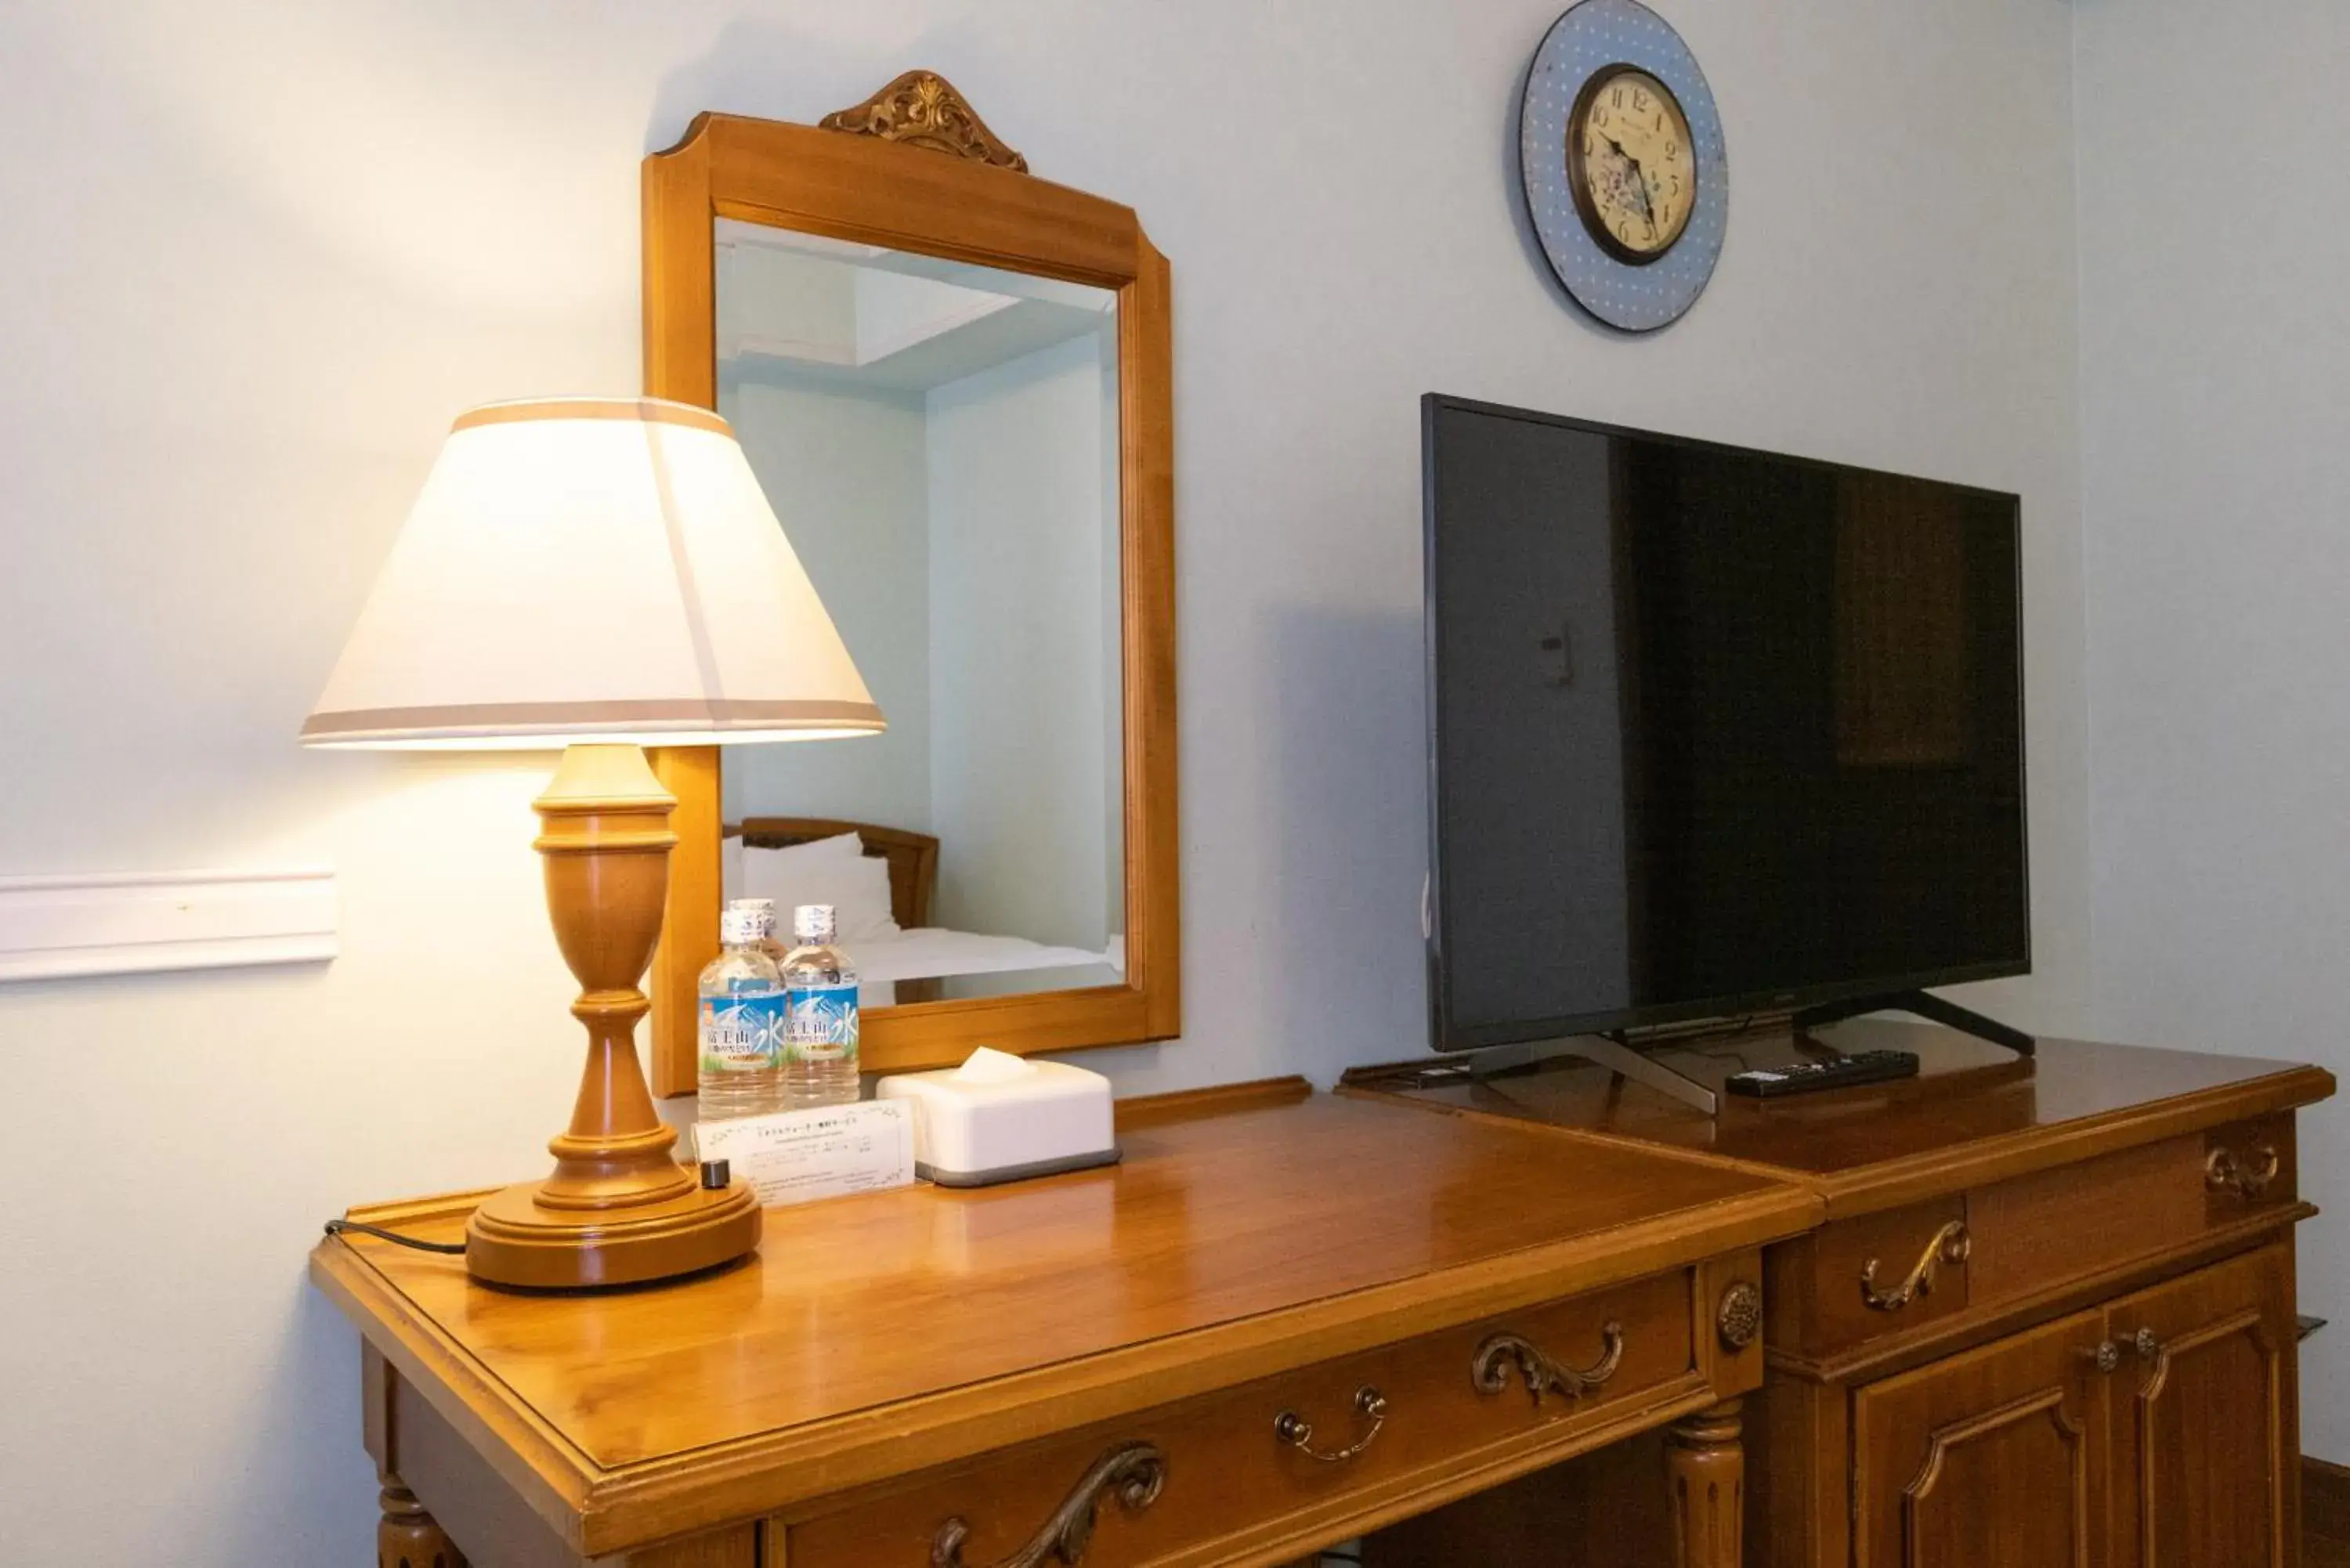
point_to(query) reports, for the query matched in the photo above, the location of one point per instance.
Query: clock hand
(1630, 159)
(1649, 189)
(1640, 184)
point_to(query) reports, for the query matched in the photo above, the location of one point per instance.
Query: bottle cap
(764, 908)
(812, 925)
(740, 928)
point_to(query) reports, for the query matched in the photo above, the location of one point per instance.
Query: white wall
(1019, 661)
(845, 470)
(256, 255)
(2215, 395)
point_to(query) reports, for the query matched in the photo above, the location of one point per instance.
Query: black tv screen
(1713, 731)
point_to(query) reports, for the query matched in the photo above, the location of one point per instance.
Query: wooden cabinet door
(1993, 1459)
(2206, 1425)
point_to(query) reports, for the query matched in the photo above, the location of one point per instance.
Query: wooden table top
(1975, 1112)
(1240, 1236)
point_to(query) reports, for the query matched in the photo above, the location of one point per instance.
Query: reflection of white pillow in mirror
(730, 863)
(835, 872)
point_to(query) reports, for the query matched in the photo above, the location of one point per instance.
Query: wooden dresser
(1283, 1321)
(2048, 1319)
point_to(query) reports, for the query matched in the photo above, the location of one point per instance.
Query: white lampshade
(592, 569)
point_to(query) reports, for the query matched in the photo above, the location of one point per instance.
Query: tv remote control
(1860, 1067)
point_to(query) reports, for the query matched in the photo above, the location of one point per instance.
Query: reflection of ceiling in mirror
(880, 318)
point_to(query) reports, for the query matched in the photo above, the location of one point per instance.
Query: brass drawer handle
(2105, 1355)
(2224, 1172)
(2147, 1343)
(1293, 1428)
(1539, 1372)
(1135, 1471)
(1950, 1245)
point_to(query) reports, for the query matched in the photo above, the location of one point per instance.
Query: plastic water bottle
(742, 1021)
(819, 1041)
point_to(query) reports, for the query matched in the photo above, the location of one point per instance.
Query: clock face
(1631, 163)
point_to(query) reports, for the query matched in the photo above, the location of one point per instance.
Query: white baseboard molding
(57, 927)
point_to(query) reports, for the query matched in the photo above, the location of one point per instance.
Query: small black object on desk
(1839, 1072)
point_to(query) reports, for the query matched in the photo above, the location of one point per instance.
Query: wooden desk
(2049, 1319)
(939, 1377)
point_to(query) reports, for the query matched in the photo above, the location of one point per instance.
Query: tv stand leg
(1612, 1055)
(1924, 1005)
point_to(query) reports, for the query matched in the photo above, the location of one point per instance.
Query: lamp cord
(338, 1227)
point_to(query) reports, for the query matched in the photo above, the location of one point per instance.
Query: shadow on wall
(311, 1408)
(802, 74)
(1339, 908)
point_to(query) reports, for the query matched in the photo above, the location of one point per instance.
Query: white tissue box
(1000, 1118)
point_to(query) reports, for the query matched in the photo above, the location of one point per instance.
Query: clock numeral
(1616, 97)
(1672, 149)
(1640, 101)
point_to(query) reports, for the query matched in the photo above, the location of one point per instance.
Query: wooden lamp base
(618, 1210)
(513, 1240)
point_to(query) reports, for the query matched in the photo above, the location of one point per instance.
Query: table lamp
(599, 574)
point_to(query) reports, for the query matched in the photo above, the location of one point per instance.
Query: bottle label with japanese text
(742, 1033)
(820, 1022)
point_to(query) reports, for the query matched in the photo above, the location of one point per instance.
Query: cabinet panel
(2206, 1423)
(1993, 1459)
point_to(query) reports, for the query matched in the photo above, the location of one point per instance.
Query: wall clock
(1627, 176)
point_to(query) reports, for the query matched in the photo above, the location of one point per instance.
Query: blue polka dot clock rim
(1591, 37)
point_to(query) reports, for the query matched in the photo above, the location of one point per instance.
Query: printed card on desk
(826, 1151)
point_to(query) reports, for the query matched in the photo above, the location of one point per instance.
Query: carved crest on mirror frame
(922, 109)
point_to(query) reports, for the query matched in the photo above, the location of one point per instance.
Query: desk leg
(408, 1537)
(1705, 1466)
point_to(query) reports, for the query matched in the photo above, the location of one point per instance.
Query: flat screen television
(1713, 731)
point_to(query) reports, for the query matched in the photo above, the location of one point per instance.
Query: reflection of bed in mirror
(884, 887)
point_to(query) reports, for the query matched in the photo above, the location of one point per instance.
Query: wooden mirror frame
(913, 168)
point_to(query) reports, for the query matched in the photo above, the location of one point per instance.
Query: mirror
(954, 382)
(940, 442)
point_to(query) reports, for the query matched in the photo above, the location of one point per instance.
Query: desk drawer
(1224, 1475)
(1881, 1274)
